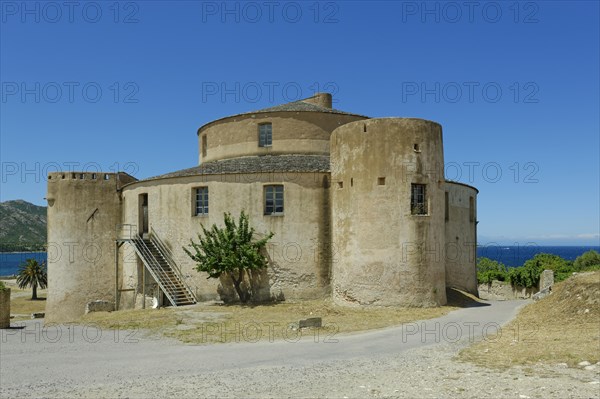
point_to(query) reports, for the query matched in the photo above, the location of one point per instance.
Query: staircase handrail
(168, 255)
(154, 269)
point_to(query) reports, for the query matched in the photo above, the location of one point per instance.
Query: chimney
(320, 99)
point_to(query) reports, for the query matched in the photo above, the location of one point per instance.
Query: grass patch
(564, 327)
(207, 324)
(21, 305)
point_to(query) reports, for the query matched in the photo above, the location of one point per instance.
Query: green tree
(231, 250)
(489, 270)
(528, 275)
(587, 260)
(32, 274)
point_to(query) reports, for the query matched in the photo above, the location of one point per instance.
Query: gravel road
(415, 360)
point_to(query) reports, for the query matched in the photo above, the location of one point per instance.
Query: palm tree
(32, 274)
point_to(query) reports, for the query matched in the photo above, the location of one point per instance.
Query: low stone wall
(5, 308)
(502, 290)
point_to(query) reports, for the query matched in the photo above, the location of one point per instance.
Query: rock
(590, 368)
(546, 279)
(38, 315)
(542, 294)
(584, 363)
(310, 322)
(562, 365)
(99, 306)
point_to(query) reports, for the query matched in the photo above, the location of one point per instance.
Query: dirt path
(413, 361)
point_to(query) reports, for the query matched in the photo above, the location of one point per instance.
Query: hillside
(22, 226)
(561, 328)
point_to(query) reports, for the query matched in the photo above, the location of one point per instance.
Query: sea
(10, 261)
(511, 256)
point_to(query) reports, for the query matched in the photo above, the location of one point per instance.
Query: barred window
(418, 199)
(265, 135)
(201, 201)
(273, 200)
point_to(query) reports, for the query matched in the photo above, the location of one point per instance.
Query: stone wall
(299, 266)
(292, 133)
(5, 308)
(502, 290)
(460, 249)
(383, 254)
(84, 210)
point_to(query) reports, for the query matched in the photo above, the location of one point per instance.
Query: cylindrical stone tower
(388, 213)
(84, 210)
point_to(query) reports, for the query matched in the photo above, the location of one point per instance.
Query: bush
(528, 275)
(489, 270)
(589, 260)
(2, 286)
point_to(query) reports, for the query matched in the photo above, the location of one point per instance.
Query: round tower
(84, 210)
(388, 213)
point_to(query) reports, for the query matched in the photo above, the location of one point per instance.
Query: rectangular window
(471, 209)
(273, 200)
(418, 199)
(201, 201)
(265, 135)
(447, 210)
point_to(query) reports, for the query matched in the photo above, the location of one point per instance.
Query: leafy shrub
(230, 250)
(528, 275)
(2, 286)
(589, 260)
(489, 270)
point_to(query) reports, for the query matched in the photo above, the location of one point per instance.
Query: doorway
(143, 215)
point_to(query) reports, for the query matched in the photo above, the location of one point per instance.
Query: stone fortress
(359, 206)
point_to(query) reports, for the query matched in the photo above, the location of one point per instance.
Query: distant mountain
(22, 226)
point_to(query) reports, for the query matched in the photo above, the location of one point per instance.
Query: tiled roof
(255, 164)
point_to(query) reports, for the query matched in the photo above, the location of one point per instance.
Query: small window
(418, 199)
(381, 181)
(93, 176)
(352, 182)
(204, 145)
(82, 176)
(471, 209)
(273, 200)
(106, 176)
(265, 135)
(416, 148)
(201, 201)
(447, 207)
(73, 176)
(340, 184)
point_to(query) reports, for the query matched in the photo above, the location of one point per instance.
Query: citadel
(360, 209)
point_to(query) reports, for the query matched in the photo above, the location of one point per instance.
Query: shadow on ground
(463, 299)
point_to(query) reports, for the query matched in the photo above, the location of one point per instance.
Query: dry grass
(202, 324)
(21, 305)
(562, 328)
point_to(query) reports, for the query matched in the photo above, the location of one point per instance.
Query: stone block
(310, 322)
(99, 306)
(546, 279)
(5, 308)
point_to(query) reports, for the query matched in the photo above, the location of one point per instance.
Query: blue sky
(126, 85)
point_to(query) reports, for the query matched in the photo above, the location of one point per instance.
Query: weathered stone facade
(348, 228)
(5, 308)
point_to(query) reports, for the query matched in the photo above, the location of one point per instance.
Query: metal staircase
(159, 261)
